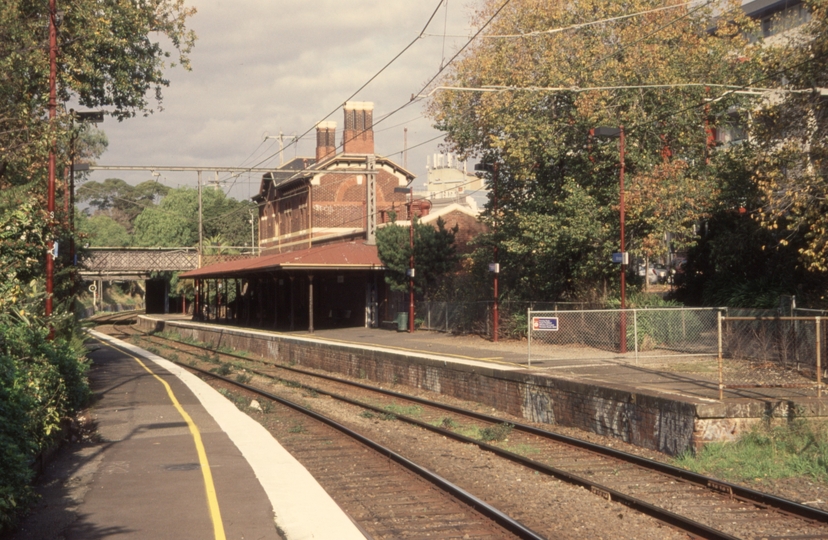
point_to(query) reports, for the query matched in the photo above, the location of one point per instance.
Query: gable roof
(304, 168)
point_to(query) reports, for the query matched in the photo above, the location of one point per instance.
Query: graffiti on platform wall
(611, 418)
(538, 405)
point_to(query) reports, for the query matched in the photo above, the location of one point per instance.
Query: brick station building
(317, 220)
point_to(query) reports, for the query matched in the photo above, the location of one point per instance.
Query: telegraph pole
(200, 234)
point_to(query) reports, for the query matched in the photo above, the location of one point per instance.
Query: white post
(635, 333)
(818, 358)
(721, 362)
(529, 334)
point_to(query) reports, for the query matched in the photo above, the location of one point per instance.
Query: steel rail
(676, 520)
(482, 507)
(739, 492)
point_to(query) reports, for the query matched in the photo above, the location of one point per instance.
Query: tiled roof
(339, 256)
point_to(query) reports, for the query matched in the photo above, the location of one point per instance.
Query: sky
(261, 66)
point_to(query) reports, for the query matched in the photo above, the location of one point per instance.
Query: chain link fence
(476, 317)
(762, 350)
(623, 335)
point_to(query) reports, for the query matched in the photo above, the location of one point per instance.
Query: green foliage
(41, 382)
(111, 55)
(796, 449)
(435, 254)
(790, 131)
(101, 230)
(116, 198)
(174, 221)
(557, 216)
(499, 432)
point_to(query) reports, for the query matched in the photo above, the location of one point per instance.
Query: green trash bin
(402, 321)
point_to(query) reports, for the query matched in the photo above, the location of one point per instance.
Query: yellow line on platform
(209, 486)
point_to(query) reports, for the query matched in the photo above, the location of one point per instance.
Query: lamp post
(612, 132)
(410, 191)
(494, 268)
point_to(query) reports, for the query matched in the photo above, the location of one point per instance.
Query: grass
(401, 410)
(708, 366)
(797, 449)
(522, 449)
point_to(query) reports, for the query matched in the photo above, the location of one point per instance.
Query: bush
(41, 383)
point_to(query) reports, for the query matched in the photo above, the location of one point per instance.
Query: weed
(154, 350)
(224, 392)
(223, 370)
(388, 416)
(362, 373)
(312, 393)
(449, 423)
(192, 363)
(496, 433)
(367, 414)
(401, 410)
(297, 428)
(798, 448)
(290, 384)
(243, 378)
(174, 357)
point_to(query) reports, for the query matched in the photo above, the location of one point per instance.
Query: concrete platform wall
(659, 423)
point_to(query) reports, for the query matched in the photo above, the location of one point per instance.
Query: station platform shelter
(328, 286)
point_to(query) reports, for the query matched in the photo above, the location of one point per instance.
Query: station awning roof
(339, 256)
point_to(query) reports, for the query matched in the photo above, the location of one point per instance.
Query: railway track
(386, 494)
(700, 506)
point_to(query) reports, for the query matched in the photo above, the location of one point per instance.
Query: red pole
(411, 264)
(623, 264)
(50, 197)
(495, 317)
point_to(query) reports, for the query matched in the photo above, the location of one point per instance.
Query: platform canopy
(338, 257)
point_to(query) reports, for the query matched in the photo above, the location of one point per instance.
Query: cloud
(262, 66)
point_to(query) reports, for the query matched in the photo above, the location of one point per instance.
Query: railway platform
(662, 406)
(172, 458)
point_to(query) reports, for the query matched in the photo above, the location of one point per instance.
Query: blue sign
(621, 258)
(548, 324)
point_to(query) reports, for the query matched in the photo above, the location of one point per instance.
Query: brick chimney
(358, 137)
(325, 141)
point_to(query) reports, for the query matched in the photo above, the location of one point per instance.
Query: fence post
(529, 335)
(428, 315)
(635, 333)
(721, 374)
(819, 358)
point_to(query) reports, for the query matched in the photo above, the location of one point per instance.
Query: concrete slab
(144, 477)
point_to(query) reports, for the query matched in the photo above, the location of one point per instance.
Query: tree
(558, 213)
(434, 254)
(790, 129)
(174, 222)
(120, 200)
(101, 230)
(111, 54)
